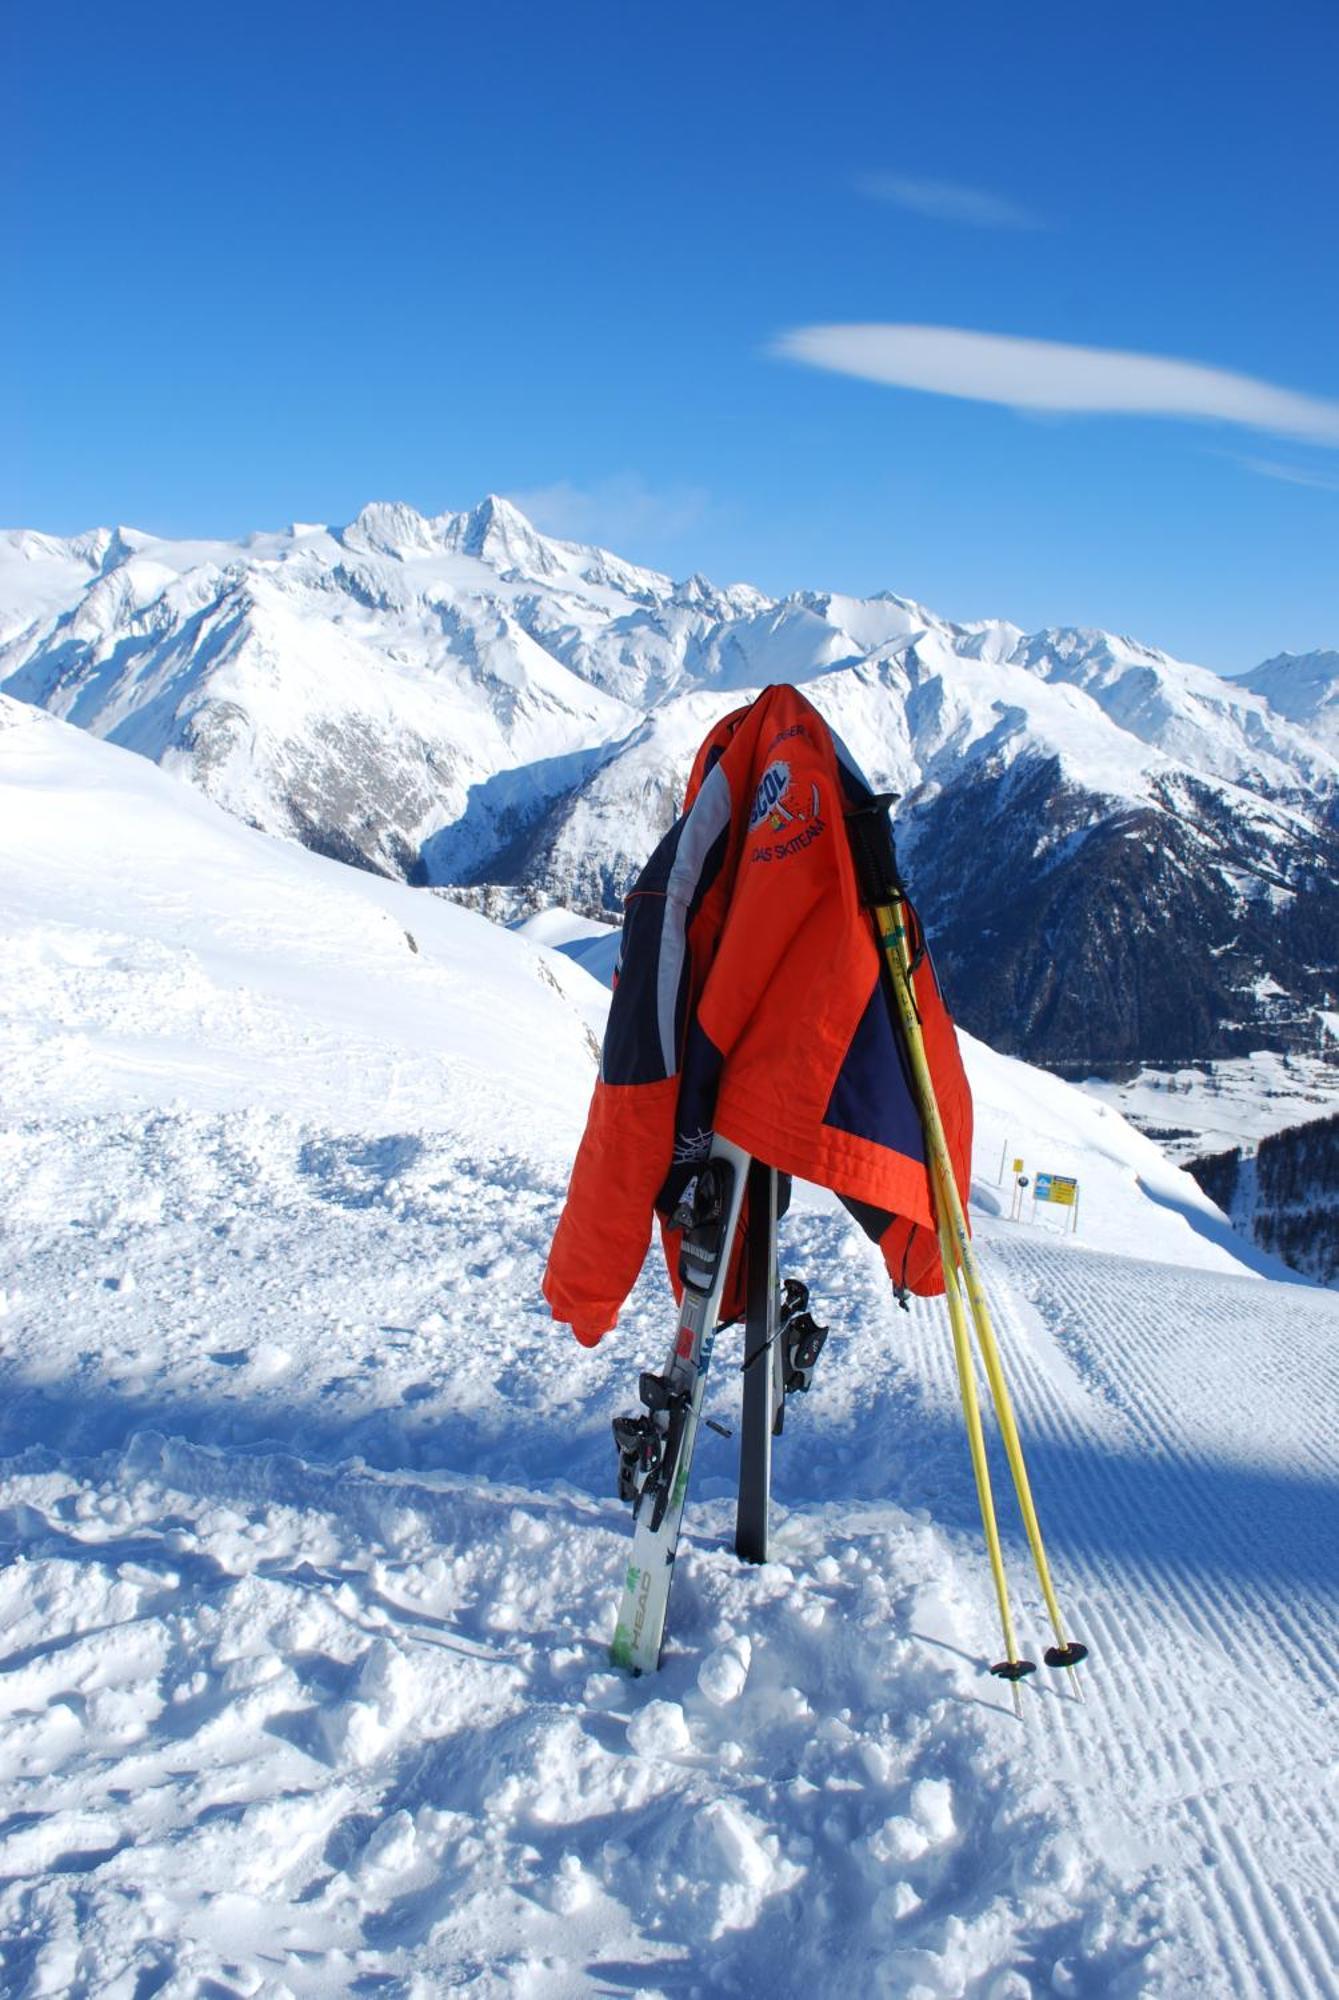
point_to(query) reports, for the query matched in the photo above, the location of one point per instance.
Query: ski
(782, 1349)
(764, 1391)
(655, 1447)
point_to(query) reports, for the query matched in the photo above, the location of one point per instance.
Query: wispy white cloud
(1292, 475)
(949, 201)
(624, 504)
(1050, 375)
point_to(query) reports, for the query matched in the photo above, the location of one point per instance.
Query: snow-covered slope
(311, 1554)
(464, 700)
(205, 993)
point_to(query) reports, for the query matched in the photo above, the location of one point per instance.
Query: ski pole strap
(752, 1360)
(870, 832)
(915, 931)
(892, 924)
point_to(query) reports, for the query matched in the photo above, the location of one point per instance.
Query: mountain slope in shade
(1124, 857)
(1092, 904)
(1283, 1194)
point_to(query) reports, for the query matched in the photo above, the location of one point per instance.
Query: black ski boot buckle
(804, 1344)
(702, 1215)
(640, 1443)
(801, 1337)
(648, 1444)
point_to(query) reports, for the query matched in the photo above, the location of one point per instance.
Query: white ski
(656, 1449)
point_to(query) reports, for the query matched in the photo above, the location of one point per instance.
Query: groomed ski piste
(311, 1553)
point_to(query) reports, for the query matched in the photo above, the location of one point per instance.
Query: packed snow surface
(311, 1554)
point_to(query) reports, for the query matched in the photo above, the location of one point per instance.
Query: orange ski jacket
(751, 999)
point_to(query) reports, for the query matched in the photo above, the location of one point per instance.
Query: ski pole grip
(871, 835)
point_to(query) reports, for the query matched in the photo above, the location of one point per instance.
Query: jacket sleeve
(605, 1225)
(627, 1148)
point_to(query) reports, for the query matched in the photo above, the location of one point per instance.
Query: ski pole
(1011, 1668)
(881, 889)
(893, 939)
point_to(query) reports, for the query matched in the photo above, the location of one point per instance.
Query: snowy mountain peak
(498, 533)
(31, 545)
(497, 521)
(99, 548)
(390, 528)
(1302, 686)
(1319, 665)
(495, 532)
(698, 594)
(108, 548)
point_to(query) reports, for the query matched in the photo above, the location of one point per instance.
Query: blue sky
(273, 262)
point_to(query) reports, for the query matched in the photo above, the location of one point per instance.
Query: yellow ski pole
(876, 863)
(1063, 1653)
(894, 939)
(1011, 1668)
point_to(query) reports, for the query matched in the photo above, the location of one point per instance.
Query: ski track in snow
(310, 1574)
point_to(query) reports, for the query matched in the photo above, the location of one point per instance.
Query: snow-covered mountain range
(1122, 856)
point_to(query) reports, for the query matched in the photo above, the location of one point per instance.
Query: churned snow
(311, 1549)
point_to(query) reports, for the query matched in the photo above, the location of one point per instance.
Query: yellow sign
(1018, 1166)
(1058, 1188)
